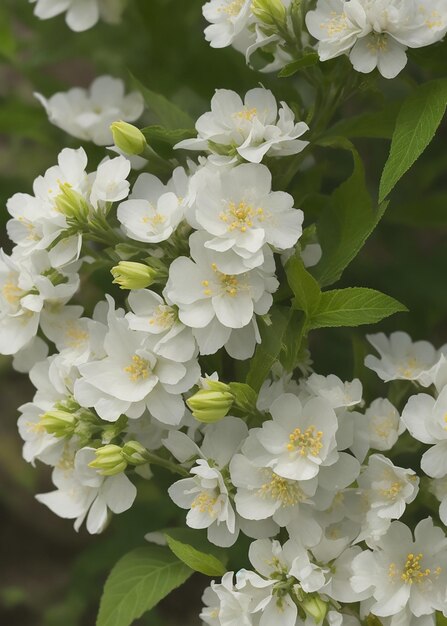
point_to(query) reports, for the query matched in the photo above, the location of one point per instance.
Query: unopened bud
(128, 138)
(134, 453)
(71, 203)
(210, 406)
(58, 423)
(132, 275)
(270, 12)
(109, 460)
(316, 608)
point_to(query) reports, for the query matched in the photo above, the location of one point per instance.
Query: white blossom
(249, 129)
(87, 114)
(80, 15)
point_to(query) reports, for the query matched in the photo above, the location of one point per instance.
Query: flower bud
(210, 406)
(71, 203)
(128, 138)
(134, 453)
(316, 608)
(58, 423)
(109, 460)
(132, 275)
(270, 12)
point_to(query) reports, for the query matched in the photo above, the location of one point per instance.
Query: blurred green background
(49, 575)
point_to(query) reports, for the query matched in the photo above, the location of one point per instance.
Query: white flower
(401, 358)
(87, 114)
(83, 494)
(206, 494)
(27, 287)
(404, 573)
(376, 33)
(152, 212)
(339, 394)
(132, 377)
(110, 183)
(80, 15)
(426, 420)
(299, 439)
(384, 424)
(251, 129)
(387, 489)
(239, 211)
(152, 315)
(228, 18)
(216, 304)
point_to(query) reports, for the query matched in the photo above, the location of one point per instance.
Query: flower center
(335, 25)
(154, 220)
(246, 114)
(305, 442)
(205, 502)
(239, 216)
(393, 491)
(163, 316)
(412, 572)
(139, 369)
(378, 42)
(282, 489)
(233, 8)
(383, 426)
(75, 336)
(11, 292)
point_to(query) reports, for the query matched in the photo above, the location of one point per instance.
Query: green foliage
(138, 582)
(345, 225)
(272, 330)
(416, 125)
(198, 560)
(305, 288)
(163, 140)
(307, 60)
(166, 112)
(353, 307)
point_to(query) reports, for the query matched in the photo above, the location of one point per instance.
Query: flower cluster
(373, 33)
(206, 240)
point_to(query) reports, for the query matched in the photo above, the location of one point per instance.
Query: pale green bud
(134, 453)
(71, 203)
(270, 12)
(58, 423)
(109, 460)
(316, 608)
(210, 406)
(128, 138)
(132, 275)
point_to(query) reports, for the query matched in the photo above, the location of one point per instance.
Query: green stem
(154, 459)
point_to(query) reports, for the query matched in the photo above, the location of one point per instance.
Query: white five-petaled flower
(132, 377)
(83, 494)
(299, 439)
(152, 212)
(376, 33)
(249, 129)
(239, 211)
(220, 307)
(402, 359)
(403, 572)
(206, 495)
(88, 113)
(228, 18)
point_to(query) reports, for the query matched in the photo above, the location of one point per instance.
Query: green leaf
(309, 59)
(345, 225)
(197, 560)
(267, 352)
(305, 288)
(138, 582)
(377, 125)
(163, 140)
(416, 125)
(291, 354)
(167, 113)
(353, 307)
(8, 44)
